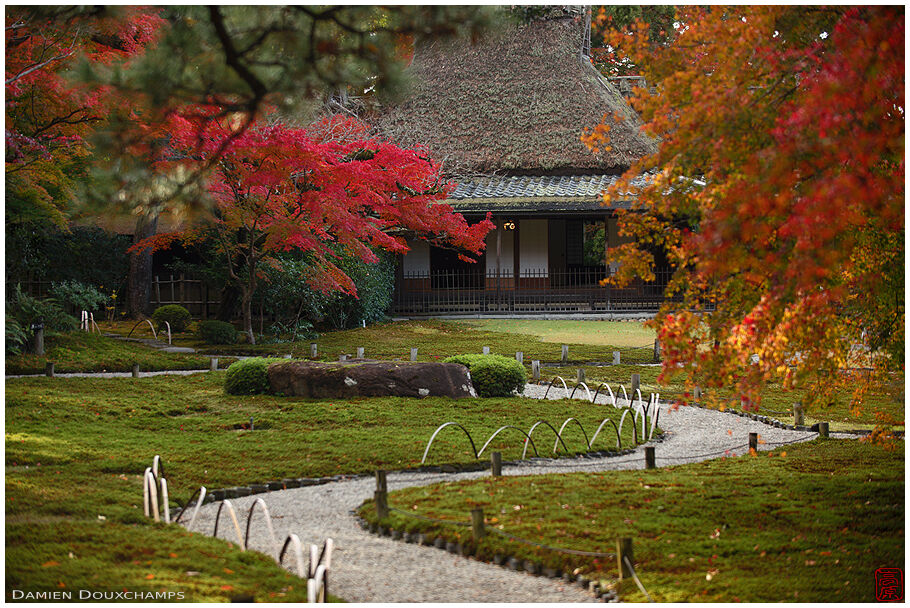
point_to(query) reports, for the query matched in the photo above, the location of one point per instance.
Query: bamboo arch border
(316, 573)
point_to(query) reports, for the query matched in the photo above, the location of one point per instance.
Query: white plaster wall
(506, 259)
(417, 260)
(532, 244)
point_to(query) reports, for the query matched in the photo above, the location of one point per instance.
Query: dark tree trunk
(228, 307)
(140, 277)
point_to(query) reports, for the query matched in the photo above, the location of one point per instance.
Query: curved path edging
(369, 568)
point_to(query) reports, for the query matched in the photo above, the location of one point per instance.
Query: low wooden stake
(520, 356)
(382, 504)
(535, 370)
(822, 429)
(581, 374)
(360, 352)
(753, 441)
(565, 354)
(135, 370)
(636, 383)
(477, 529)
(623, 552)
(649, 457)
(381, 482)
(49, 369)
(616, 357)
(496, 464)
(213, 364)
(486, 350)
(799, 415)
(413, 354)
(313, 350)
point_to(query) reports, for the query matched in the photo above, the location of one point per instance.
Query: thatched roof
(517, 101)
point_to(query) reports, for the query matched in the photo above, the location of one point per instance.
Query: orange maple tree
(777, 193)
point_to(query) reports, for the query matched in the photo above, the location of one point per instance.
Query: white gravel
(367, 568)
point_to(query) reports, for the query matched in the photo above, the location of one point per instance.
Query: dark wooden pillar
(516, 256)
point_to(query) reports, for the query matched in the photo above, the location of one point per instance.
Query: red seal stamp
(889, 585)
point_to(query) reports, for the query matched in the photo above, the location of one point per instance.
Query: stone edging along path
(370, 568)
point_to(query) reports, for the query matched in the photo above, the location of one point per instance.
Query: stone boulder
(359, 378)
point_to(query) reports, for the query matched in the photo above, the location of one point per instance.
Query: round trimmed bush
(248, 376)
(493, 375)
(216, 332)
(177, 316)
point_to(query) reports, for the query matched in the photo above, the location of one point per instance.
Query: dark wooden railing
(535, 291)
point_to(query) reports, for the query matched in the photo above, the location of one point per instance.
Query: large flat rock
(370, 379)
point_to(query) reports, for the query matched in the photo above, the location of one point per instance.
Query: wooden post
(520, 356)
(135, 370)
(49, 369)
(381, 481)
(157, 291)
(535, 370)
(204, 291)
(698, 393)
(649, 457)
(360, 352)
(636, 384)
(496, 464)
(581, 374)
(486, 350)
(38, 340)
(382, 504)
(615, 357)
(213, 364)
(753, 441)
(173, 290)
(799, 417)
(822, 429)
(623, 553)
(313, 350)
(477, 529)
(656, 351)
(342, 357)
(565, 354)
(413, 354)
(182, 291)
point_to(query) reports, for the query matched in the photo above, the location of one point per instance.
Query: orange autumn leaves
(781, 160)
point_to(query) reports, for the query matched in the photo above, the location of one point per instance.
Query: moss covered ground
(808, 523)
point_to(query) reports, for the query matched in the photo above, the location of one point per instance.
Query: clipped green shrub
(216, 332)
(493, 375)
(248, 376)
(177, 316)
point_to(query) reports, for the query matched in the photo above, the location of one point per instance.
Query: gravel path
(367, 568)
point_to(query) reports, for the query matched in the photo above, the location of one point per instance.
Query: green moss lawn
(810, 523)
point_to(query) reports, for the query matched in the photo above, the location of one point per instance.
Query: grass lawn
(439, 339)
(87, 352)
(76, 449)
(567, 331)
(811, 524)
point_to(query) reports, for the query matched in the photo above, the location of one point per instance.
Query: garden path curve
(368, 568)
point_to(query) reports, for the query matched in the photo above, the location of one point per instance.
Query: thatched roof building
(515, 102)
(505, 116)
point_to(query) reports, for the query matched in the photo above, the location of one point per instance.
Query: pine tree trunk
(139, 283)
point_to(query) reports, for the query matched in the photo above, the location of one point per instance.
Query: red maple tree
(325, 190)
(49, 113)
